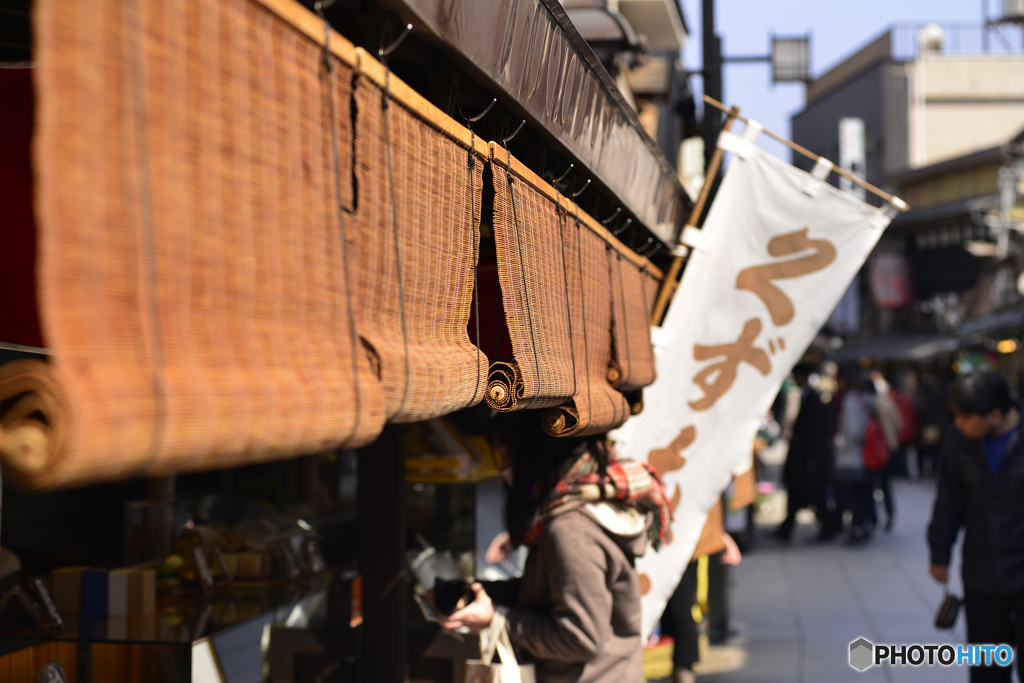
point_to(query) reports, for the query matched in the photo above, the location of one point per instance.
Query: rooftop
(905, 42)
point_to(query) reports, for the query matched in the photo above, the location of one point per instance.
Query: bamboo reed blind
(632, 366)
(555, 265)
(595, 406)
(192, 255)
(527, 235)
(230, 275)
(417, 247)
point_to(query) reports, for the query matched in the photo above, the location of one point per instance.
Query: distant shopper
(908, 433)
(891, 420)
(981, 488)
(853, 480)
(933, 417)
(677, 621)
(807, 473)
(586, 517)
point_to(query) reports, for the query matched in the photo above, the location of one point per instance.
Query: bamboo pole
(669, 281)
(895, 201)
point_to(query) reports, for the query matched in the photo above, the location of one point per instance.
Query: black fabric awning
(897, 347)
(1008, 320)
(602, 25)
(531, 54)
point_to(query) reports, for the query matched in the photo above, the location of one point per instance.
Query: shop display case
(219, 641)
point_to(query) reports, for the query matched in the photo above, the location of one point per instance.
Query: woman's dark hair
(980, 392)
(538, 460)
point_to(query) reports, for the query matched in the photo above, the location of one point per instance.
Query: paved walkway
(796, 608)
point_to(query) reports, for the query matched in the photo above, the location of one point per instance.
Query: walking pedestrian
(891, 421)
(677, 621)
(933, 415)
(908, 433)
(585, 516)
(981, 489)
(807, 473)
(853, 481)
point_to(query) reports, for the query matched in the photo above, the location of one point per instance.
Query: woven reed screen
(192, 254)
(418, 238)
(527, 235)
(595, 406)
(632, 366)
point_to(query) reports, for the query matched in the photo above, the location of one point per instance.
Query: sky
(837, 28)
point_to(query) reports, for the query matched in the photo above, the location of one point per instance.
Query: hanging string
(385, 105)
(625, 320)
(498, 309)
(583, 308)
(148, 238)
(647, 310)
(473, 223)
(336, 157)
(522, 268)
(565, 281)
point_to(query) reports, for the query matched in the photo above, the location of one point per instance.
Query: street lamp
(791, 59)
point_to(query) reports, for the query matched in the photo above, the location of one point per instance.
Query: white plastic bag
(493, 639)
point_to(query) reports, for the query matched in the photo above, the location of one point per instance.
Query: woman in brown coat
(585, 516)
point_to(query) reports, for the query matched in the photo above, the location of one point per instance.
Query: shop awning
(896, 347)
(1010, 320)
(530, 53)
(598, 24)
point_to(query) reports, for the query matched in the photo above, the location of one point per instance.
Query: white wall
(962, 104)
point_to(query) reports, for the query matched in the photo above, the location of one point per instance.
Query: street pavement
(795, 608)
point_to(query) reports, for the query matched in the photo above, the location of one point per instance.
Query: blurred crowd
(850, 431)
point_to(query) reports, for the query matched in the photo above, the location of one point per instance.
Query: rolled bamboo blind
(527, 235)
(554, 258)
(192, 250)
(419, 191)
(632, 366)
(595, 406)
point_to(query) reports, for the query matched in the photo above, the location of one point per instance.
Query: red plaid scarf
(627, 481)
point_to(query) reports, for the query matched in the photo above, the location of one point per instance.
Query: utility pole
(712, 45)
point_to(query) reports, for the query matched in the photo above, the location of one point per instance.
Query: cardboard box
(117, 593)
(67, 590)
(251, 565)
(141, 592)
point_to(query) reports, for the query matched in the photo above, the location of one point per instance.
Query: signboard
(778, 250)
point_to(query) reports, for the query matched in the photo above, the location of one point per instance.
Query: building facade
(942, 108)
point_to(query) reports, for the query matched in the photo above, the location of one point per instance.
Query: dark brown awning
(530, 52)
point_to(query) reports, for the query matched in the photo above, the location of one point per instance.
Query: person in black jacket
(808, 469)
(981, 488)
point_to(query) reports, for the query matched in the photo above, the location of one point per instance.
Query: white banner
(777, 251)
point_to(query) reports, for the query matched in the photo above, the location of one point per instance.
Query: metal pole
(712, 81)
(984, 26)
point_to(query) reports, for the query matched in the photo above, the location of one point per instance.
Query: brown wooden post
(382, 525)
(669, 282)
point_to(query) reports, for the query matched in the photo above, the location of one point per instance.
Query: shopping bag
(493, 639)
(945, 618)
